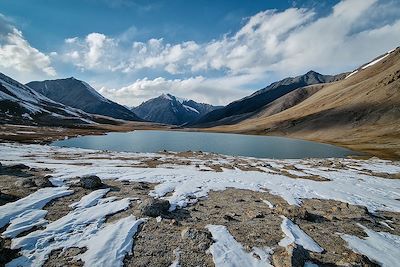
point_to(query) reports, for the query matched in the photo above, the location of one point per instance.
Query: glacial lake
(227, 144)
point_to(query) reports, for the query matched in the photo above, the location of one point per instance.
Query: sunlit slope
(361, 111)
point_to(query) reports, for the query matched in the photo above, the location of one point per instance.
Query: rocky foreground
(75, 207)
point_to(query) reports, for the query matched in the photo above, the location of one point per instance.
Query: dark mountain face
(263, 97)
(20, 104)
(78, 94)
(169, 109)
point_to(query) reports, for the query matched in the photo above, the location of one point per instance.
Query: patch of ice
(375, 61)
(379, 247)
(386, 225)
(310, 264)
(176, 262)
(190, 109)
(295, 235)
(90, 199)
(351, 74)
(270, 205)
(34, 201)
(25, 221)
(227, 252)
(111, 243)
(72, 230)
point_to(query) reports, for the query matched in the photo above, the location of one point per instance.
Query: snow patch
(295, 235)
(90, 199)
(270, 205)
(379, 247)
(25, 221)
(177, 253)
(34, 201)
(375, 61)
(227, 252)
(72, 230)
(110, 244)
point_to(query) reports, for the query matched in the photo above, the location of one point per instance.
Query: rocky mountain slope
(169, 109)
(244, 108)
(19, 104)
(361, 111)
(79, 94)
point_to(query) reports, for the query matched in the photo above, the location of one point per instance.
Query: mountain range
(81, 95)
(20, 104)
(169, 109)
(360, 111)
(247, 106)
(349, 109)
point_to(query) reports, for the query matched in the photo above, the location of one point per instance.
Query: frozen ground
(183, 180)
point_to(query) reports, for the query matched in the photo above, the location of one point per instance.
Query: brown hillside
(361, 112)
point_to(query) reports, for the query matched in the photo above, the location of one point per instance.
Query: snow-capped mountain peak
(170, 109)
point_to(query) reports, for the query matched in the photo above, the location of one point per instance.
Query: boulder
(18, 167)
(25, 182)
(154, 207)
(90, 182)
(43, 182)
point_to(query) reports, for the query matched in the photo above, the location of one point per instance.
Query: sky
(209, 51)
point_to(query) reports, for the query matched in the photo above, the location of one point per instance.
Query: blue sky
(211, 51)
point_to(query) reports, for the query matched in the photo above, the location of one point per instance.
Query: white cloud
(291, 41)
(18, 58)
(270, 45)
(216, 91)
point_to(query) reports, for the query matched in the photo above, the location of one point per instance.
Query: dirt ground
(182, 233)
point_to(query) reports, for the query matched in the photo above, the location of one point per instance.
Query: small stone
(203, 246)
(154, 207)
(90, 182)
(174, 222)
(229, 217)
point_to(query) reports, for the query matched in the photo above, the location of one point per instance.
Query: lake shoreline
(46, 135)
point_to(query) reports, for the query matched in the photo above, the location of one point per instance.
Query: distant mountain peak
(170, 109)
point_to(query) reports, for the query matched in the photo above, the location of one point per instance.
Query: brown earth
(249, 220)
(361, 112)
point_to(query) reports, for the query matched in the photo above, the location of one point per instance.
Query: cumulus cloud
(285, 42)
(18, 58)
(215, 91)
(270, 45)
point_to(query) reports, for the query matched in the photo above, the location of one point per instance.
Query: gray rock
(154, 207)
(202, 238)
(43, 182)
(25, 182)
(90, 182)
(18, 167)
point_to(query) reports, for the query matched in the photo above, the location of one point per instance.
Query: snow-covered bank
(184, 179)
(353, 183)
